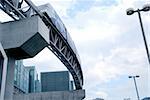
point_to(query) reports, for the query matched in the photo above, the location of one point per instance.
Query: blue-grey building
(25, 79)
(21, 78)
(56, 81)
(33, 79)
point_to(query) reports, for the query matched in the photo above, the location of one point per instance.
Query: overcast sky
(109, 43)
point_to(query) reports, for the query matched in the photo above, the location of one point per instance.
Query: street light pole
(135, 85)
(131, 11)
(143, 33)
(136, 88)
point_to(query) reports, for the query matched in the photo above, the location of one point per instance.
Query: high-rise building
(21, 78)
(25, 79)
(56, 81)
(32, 78)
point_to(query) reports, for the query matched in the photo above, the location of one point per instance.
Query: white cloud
(103, 23)
(121, 62)
(116, 64)
(93, 24)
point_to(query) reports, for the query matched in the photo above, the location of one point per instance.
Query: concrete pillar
(9, 86)
(20, 39)
(3, 71)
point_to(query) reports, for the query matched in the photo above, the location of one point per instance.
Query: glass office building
(34, 83)
(25, 79)
(21, 78)
(56, 81)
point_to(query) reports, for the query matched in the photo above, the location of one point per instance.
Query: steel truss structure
(64, 52)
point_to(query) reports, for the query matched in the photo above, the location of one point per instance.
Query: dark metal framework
(58, 44)
(64, 52)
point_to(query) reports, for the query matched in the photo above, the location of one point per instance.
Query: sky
(110, 45)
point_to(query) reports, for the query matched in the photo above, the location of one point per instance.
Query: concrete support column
(3, 71)
(9, 86)
(28, 37)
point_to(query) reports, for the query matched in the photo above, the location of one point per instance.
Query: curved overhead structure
(60, 42)
(62, 45)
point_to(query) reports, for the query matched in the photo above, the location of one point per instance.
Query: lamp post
(131, 11)
(135, 85)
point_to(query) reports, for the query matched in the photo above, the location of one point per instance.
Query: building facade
(34, 83)
(25, 79)
(21, 78)
(56, 81)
